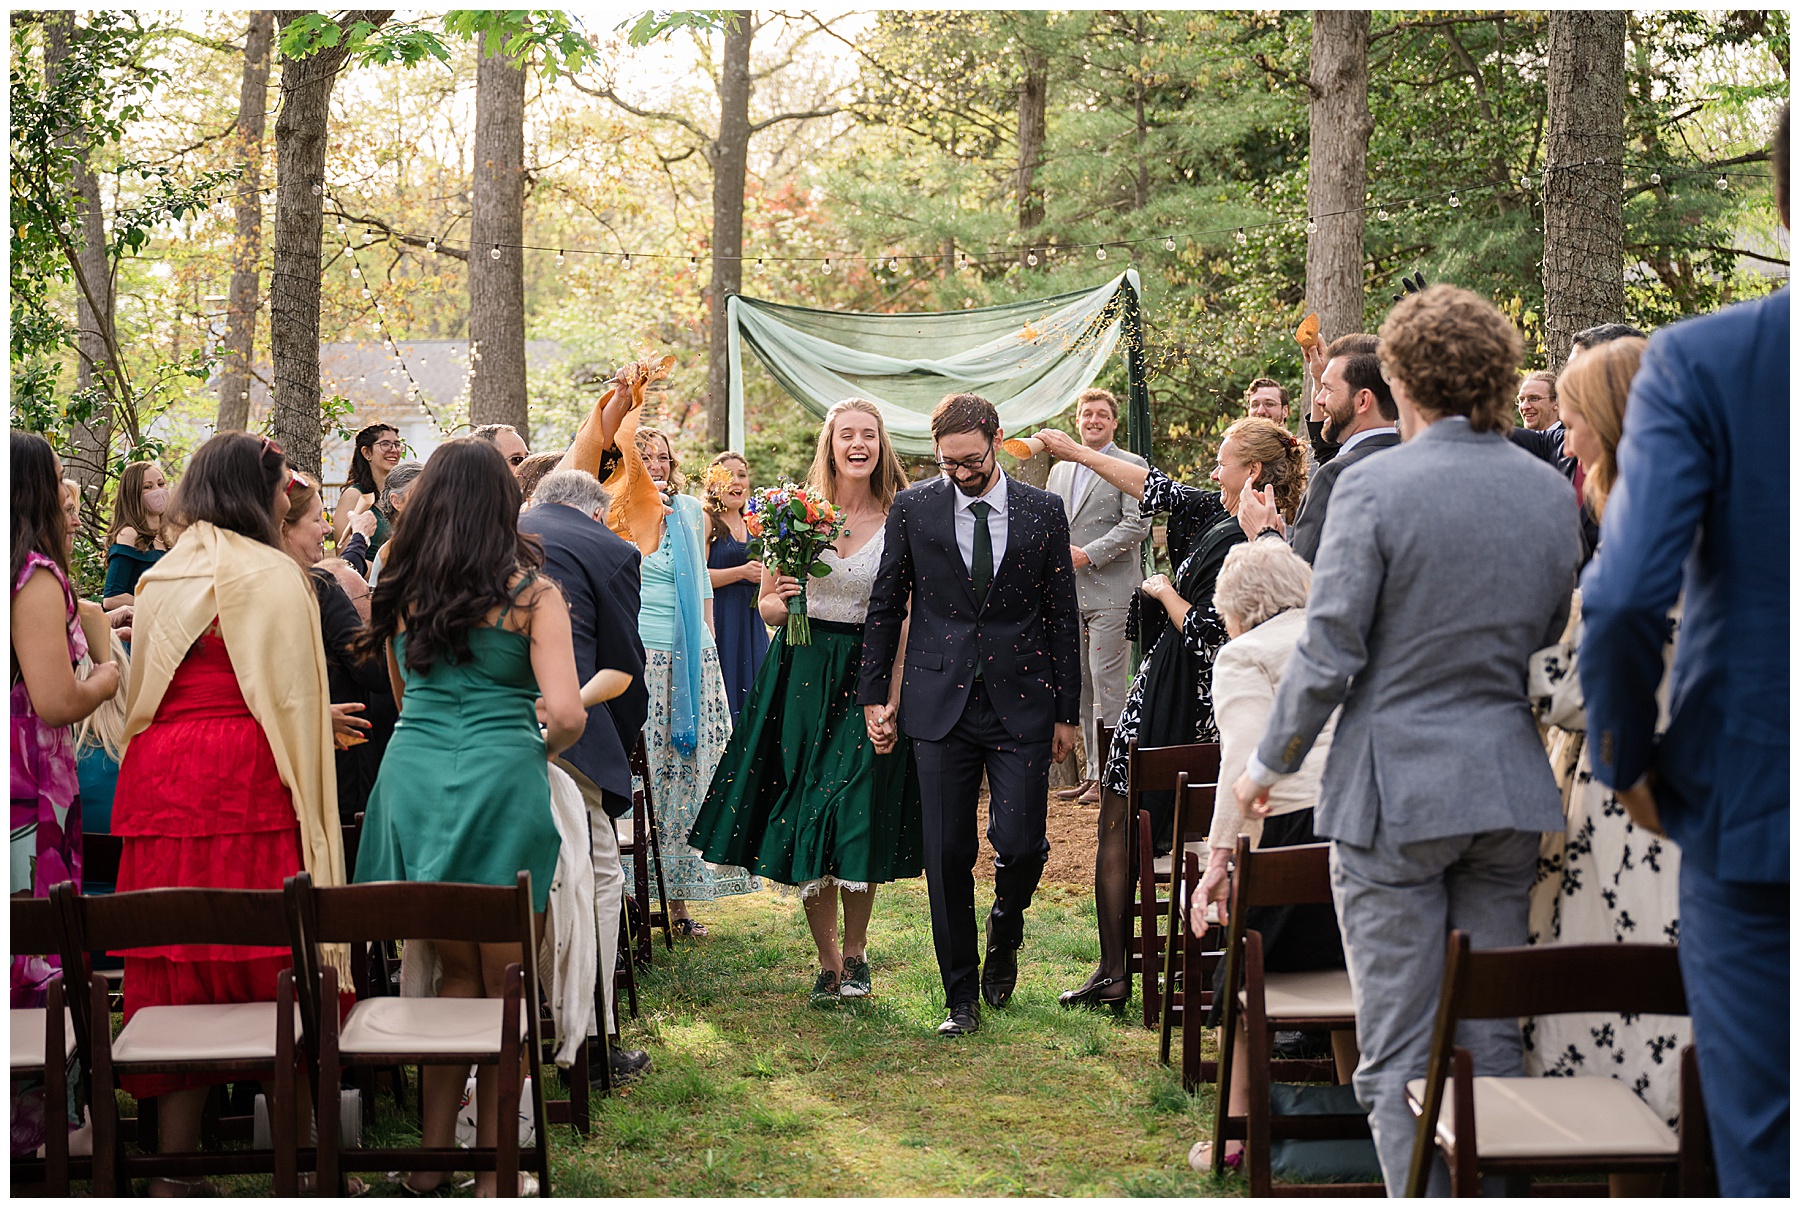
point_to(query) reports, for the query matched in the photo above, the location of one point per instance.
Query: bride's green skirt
(800, 793)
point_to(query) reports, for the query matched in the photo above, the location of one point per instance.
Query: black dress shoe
(965, 1020)
(999, 975)
(628, 1065)
(1095, 996)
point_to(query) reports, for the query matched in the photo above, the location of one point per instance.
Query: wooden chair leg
(104, 1103)
(283, 1121)
(1465, 1173)
(328, 1103)
(56, 1094)
(506, 1113)
(662, 889)
(1147, 915)
(627, 945)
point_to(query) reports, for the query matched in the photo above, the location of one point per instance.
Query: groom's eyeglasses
(972, 465)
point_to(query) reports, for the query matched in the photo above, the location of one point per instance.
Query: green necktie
(982, 573)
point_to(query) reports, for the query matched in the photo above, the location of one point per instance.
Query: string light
(1031, 259)
(826, 267)
(894, 265)
(431, 245)
(1382, 215)
(354, 271)
(1169, 244)
(559, 258)
(1242, 238)
(495, 254)
(626, 262)
(693, 264)
(1656, 178)
(1312, 226)
(759, 265)
(1100, 252)
(1723, 185)
(1455, 201)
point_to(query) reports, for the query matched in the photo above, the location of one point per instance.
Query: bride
(800, 796)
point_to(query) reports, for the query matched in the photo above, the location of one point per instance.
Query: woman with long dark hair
(134, 541)
(1170, 702)
(473, 636)
(228, 778)
(378, 449)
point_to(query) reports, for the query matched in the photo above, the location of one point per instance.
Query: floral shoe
(855, 982)
(825, 990)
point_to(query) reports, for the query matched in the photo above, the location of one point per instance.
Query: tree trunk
(246, 248)
(1337, 169)
(1584, 214)
(730, 156)
(1138, 93)
(1034, 93)
(91, 441)
(497, 220)
(301, 133)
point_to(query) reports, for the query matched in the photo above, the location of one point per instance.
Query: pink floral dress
(46, 807)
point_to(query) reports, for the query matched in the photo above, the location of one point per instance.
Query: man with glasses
(505, 438)
(978, 566)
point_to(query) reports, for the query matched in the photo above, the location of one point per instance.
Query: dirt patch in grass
(1072, 829)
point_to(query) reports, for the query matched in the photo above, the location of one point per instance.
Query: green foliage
(647, 27)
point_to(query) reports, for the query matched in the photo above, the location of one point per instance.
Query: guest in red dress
(202, 797)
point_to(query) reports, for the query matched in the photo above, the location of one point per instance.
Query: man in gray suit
(1106, 531)
(1445, 563)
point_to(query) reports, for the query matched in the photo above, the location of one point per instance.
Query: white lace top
(843, 595)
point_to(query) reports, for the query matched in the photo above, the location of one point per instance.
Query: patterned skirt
(678, 781)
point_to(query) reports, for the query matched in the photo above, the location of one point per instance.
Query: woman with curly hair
(474, 636)
(743, 638)
(1170, 702)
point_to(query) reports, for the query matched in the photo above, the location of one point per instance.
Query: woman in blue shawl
(690, 717)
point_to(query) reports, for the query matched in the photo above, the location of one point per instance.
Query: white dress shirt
(965, 522)
(1351, 442)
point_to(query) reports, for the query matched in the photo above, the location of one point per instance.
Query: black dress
(359, 681)
(1170, 702)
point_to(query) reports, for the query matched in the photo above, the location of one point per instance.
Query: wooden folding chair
(1149, 770)
(1264, 1002)
(1193, 822)
(44, 1041)
(245, 1040)
(422, 1031)
(639, 842)
(1581, 1125)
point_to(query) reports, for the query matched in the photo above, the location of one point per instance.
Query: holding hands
(879, 721)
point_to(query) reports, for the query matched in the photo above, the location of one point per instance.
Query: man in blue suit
(1701, 507)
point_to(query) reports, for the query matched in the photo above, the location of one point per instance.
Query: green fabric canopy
(1030, 359)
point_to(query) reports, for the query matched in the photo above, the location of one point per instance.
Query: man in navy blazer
(991, 682)
(599, 577)
(1701, 508)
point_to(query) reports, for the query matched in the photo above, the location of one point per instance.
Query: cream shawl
(269, 619)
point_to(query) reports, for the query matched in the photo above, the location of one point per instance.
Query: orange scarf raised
(637, 506)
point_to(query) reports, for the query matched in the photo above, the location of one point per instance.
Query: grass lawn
(755, 1093)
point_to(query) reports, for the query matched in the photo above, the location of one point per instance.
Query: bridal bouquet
(789, 526)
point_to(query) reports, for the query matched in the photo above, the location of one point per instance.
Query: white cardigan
(1246, 673)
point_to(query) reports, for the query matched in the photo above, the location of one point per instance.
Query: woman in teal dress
(800, 795)
(474, 637)
(134, 540)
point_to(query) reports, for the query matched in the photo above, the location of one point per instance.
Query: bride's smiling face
(855, 444)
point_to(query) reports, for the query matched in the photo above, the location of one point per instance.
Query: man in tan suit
(1106, 531)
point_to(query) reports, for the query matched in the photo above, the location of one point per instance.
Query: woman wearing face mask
(1170, 702)
(690, 718)
(801, 796)
(743, 638)
(361, 698)
(135, 539)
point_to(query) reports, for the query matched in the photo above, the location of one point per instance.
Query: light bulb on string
(625, 261)
(66, 227)
(1169, 244)
(1242, 238)
(826, 267)
(1382, 215)
(341, 227)
(368, 238)
(318, 190)
(1525, 182)
(1100, 252)
(1312, 226)
(431, 245)
(1455, 201)
(759, 264)
(560, 258)
(1722, 184)
(355, 272)
(368, 293)
(1031, 258)
(1656, 178)
(894, 265)
(495, 253)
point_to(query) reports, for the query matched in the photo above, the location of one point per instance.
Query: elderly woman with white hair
(1260, 595)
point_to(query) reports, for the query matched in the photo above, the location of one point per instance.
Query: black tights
(1112, 885)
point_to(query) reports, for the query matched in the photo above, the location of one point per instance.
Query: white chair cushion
(1317, 995)
(239, 1031)
(1165, 865)
(1556, 1118)
(425, 1025)
(28, 1027)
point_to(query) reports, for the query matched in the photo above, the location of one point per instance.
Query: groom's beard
(1334, 425)
(976, 487)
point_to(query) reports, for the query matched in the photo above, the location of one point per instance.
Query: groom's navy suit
(983, 687)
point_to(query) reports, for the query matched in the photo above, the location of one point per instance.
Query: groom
(992, 683)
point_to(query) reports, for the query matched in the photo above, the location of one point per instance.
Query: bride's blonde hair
(104, 728)
(888, 480)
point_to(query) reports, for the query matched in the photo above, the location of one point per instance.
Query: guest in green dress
(474, 637)
(134, 540)
(800, 795)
